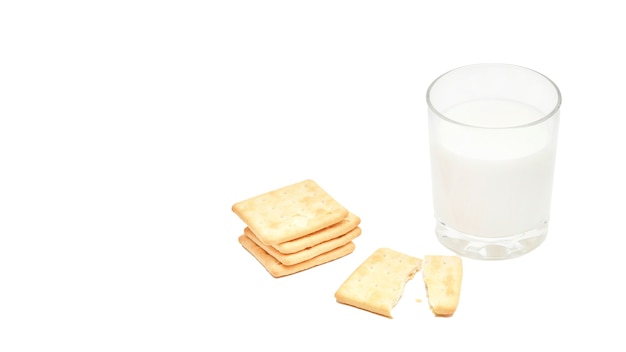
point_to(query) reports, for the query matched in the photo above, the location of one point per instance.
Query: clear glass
(493, 134)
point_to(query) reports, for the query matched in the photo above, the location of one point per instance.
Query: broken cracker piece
(378, 283)
(442, 277)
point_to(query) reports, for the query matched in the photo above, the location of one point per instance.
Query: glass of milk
(493, 134)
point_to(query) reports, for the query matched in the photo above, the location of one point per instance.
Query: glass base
(490, 248)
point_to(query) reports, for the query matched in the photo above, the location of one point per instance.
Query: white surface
(128, 129)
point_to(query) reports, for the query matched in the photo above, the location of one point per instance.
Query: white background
(129, 128)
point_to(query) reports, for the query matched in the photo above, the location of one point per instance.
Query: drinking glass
(493, 135)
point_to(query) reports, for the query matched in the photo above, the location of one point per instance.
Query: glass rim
(547, 116)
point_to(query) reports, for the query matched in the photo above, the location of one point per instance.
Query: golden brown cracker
(442, 277)
(277, 269)
(307, 253)
(378, 283)
(290, 212)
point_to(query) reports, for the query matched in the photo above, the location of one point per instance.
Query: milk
(491, 180)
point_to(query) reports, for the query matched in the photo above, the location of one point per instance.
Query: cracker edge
(350, 222)
(277, 269)
(307, 253)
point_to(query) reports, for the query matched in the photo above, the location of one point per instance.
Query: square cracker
(442, 277)
(308, 253)
(277, 269)
(333, 231)
(289, 212)
(378, 283)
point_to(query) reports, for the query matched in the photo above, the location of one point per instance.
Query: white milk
(492, 181)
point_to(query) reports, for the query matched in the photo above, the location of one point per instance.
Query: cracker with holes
(442, 276)
(378, 283)
(290, 212)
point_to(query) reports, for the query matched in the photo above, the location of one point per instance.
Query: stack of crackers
(296, 227)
